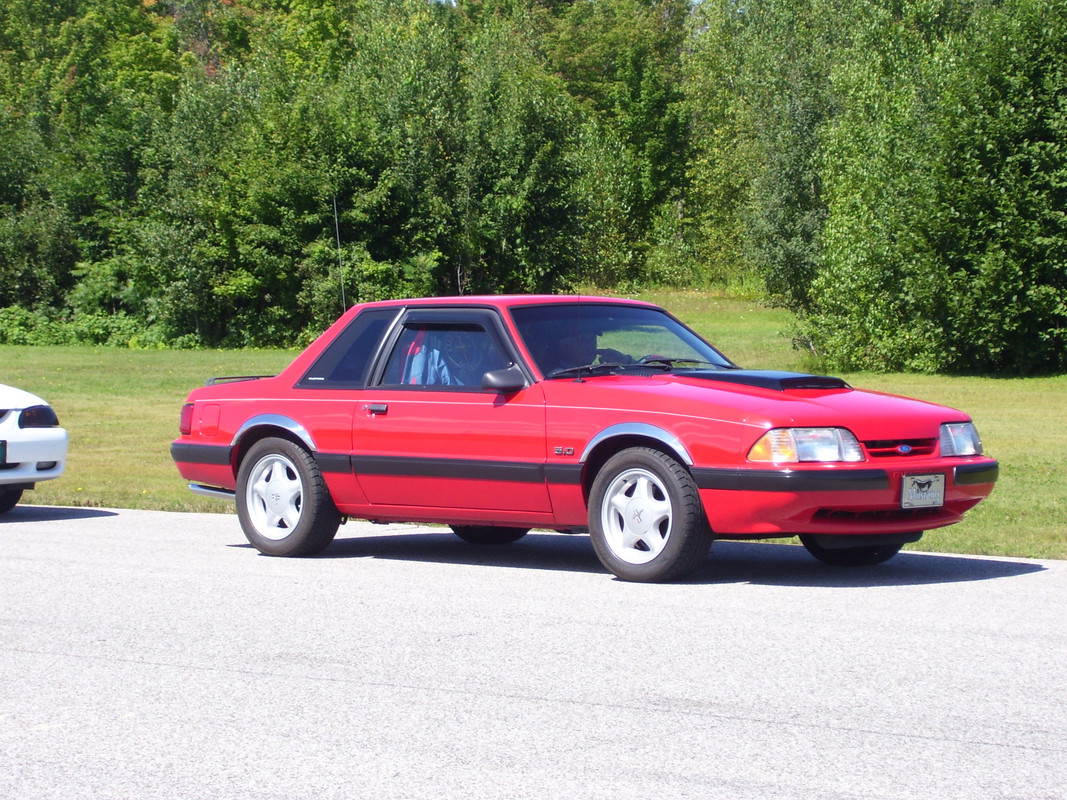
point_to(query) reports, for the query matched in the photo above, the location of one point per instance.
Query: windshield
(568, 337)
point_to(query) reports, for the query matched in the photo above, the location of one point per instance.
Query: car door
(430, 437)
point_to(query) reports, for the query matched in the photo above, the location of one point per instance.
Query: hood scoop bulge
(770, 379)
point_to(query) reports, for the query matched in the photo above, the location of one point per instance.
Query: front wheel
(488, 534)
(9, 498)
(645, 517)
(858, 556)
(283, 503)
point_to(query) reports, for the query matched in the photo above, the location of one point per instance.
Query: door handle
(376, 408)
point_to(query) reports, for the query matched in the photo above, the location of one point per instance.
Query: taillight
(186, 424)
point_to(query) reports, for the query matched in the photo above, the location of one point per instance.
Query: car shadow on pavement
(776, 564)
(24, 513)
(729, 562)
(537, 550)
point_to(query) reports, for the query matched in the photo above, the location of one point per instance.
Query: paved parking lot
(155, 655)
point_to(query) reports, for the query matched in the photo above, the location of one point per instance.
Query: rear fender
(275, 421)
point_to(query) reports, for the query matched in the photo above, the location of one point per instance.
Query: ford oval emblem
(904, 449)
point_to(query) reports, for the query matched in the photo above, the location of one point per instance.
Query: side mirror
(505, 381)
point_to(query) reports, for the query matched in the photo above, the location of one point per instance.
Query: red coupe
(495, 415)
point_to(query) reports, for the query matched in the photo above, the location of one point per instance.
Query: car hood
(816, 400)
(12, 398)
(766, 399)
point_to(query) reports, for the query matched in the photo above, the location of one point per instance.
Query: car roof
(502, 302)
(507, 300)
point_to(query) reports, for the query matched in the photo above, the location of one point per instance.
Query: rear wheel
(282, 500)
(645, 517)
(488, 534)
(858, 556)
(9, 498)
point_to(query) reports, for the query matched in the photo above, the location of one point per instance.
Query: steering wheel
(465, 352)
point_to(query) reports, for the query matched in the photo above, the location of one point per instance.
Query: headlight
(792, 445)
(960, 439)
(38, 417)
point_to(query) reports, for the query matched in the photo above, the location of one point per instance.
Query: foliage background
(191, 173)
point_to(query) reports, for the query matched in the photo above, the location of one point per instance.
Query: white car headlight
(38, 417)
(960, 439)
(793, 445)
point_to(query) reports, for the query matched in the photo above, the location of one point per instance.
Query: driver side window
(455, 355)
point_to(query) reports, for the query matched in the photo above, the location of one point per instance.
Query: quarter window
(346, 361)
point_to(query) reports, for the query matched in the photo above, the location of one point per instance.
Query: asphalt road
(152, 655)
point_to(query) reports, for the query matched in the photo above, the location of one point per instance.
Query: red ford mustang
(496, 415)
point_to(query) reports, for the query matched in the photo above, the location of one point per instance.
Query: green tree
(944, 246)
(516, 222)
(872, 295)
(722, 162)
(787, 51)
(622, 62)
(83, 86)
(1001, 234)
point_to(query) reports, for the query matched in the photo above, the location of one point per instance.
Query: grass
(121, 409)
(747, 332)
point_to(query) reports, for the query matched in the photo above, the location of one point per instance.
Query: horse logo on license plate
(923, 491)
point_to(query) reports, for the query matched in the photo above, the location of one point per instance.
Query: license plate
(923, 491)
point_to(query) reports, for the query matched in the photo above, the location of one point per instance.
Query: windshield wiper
(670, 363)
(664, 363)
(588, 369)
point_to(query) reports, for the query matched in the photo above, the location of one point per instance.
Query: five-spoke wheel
(645, 517)
(283, 503)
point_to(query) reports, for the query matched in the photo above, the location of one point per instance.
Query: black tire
(9, 498)
(859, 556)
(488, 534)
(646, 519)
(282, 500)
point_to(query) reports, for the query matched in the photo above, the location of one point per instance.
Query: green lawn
(121, 408)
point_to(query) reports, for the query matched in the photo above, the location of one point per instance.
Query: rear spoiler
(235, 379)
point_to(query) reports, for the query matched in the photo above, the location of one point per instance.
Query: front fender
(639, 429)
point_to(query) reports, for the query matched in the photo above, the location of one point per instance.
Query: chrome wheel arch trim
(642, 429)
(275, 421)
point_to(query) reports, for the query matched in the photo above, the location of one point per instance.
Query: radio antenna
(340, 263)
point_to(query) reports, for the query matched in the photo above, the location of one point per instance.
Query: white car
(32, 445)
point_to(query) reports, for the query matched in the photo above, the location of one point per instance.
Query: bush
(23, 327)
(945, 249)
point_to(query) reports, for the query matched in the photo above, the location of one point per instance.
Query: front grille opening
(901, 448)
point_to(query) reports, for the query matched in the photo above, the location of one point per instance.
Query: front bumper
(30, 455)
(837, 499)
